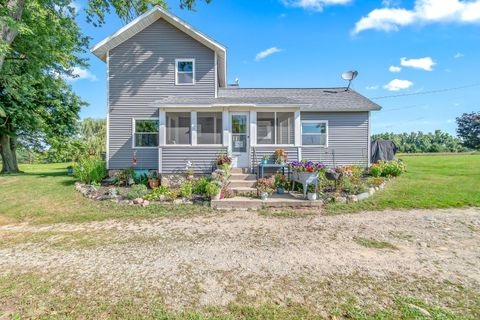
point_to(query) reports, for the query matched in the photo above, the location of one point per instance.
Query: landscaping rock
(341, 200)
(381, 186)
(138, 201)
(145, 203)
(363, 196)
(371, 191)
(352, 198)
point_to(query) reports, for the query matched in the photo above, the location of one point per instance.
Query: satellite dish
(349, 76)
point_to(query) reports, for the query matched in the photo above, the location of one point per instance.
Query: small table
(273, 165)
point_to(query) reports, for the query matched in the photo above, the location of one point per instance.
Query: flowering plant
(223, 159)
(306, 166)
(311, 189)
(281, 156)
(281, 181)
(265, 185)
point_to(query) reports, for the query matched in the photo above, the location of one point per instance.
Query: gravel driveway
(217, 259)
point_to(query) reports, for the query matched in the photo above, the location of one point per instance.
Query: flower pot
(70, 170)
(264, 196)
(216, 197)
(264, 162)
(312, 196)
(280, 191)
(153, 183)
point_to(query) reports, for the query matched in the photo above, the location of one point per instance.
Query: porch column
(298, 129)
(253, 128)
(162, 122)
(194, 127)
(226, 129)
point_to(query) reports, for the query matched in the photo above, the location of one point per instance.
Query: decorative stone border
(361, 196)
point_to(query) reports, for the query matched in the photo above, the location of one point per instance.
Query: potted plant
(213, 189)
(281, 156)
(70, 170)
(153, 180)
(224, 162)
(264, 187)
(312, 192)
(265, 159)
(281, 183)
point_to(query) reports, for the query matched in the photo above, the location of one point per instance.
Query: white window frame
(274, 130)
(192, 129)
(221, 133)
(134, 133)
(316, 122)
(177, 72)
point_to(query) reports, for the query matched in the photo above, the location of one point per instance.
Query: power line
(426, 92)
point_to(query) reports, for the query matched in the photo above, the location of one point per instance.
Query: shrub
(393, 168)
(212, 189)
(158, 192)
(142, 179)
(124, 176)
(199, 185)
(137, 191)
(89, 170)
(376, 170)
(186, 189)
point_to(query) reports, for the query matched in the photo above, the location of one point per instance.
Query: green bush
(186, 190)
(392, 168)
(200, 185)
(158, 192)
(212, 189)
(123, 176)
(137, 191)
(89, 170)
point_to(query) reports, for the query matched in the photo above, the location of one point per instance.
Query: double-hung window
(275, 128)
(184, 72)
(314, 133)
(145, 133)
(179, 128)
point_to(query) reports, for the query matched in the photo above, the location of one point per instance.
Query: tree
(40, 45)
(469, 129)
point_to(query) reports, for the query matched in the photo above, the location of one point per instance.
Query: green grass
(45, 194)
(431, 182)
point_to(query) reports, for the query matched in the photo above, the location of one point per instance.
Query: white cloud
(394, 69)
(372, 87)
(422, 63)
(397, 85)
(458, 55)
(263, 54)
(316, 5)
(424, 11)
(81, 74)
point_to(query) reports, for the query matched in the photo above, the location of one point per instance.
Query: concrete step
(243, 190)
(242, 183)
(243, 176)
(240, 170)
(276, 201)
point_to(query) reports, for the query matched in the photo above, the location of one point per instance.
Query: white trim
(326, 132)
(247, 134)
(192, 60)
(290, 108)
(216, 74)
(369, 146)
(274, 145)
(134, 132)
(162, 131)
(298, 128)
(299, 153)
(193, 128)
(253, 128)
(107, 150)
(226, 130)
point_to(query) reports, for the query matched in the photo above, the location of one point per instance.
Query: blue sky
(398, 47)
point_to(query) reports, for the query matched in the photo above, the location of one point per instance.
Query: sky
(398, 47)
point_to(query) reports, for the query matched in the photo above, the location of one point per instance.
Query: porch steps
(243, 176)
(240, 170)
(238, 191)
(241, 182)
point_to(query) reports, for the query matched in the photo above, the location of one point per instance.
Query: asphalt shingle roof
(315, 99)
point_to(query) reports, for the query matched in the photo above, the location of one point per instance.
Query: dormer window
(184, 72)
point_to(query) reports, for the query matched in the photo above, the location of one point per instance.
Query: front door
(240, 139)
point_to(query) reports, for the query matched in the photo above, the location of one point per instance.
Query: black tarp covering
(383, 150)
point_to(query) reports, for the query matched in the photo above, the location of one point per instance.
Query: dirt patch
(214, 260)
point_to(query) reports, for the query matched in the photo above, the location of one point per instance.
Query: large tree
(40, 45)
(469, 129)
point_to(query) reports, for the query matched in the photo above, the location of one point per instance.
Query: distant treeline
(418, 142)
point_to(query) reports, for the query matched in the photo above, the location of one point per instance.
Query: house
(169, 103)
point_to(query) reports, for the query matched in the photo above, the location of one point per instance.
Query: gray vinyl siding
(347, 139)
(141, 72)
(174, 159)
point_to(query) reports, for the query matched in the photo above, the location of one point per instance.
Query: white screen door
(239, 121)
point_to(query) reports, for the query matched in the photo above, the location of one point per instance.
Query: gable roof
(149, 17)
(308, 99)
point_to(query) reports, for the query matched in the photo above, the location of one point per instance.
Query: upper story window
(145, 133)
(184, 72)
(314, 133)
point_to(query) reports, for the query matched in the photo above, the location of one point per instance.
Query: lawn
(431, 182)
(44, 194)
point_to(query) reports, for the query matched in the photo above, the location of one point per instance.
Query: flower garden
(312, 179)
